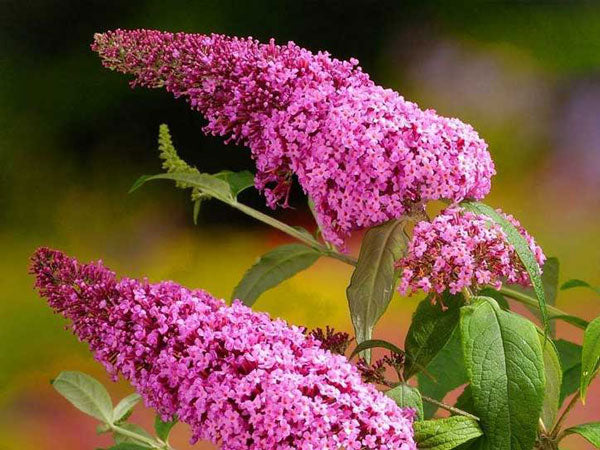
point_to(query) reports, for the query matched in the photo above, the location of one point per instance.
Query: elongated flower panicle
(361, 152)
(238, 378)
(461, 249)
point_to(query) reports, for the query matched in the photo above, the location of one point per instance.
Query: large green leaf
(445, 372)
(407, 396)
(272, 268)
(372, 283)
(590, 355)
(86, 394)
(431, 328)
(590, 431)
(553, 372)
(570, 361)
(499, 297)
(579, 283)
(162, 428)
(521, 247)
(504, 361)
(446, 434)
(124, 408)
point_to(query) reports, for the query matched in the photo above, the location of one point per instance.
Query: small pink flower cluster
(238, 378)
(460, 249)
(361, 152)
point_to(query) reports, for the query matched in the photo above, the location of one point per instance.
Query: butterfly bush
(238, 378)
(460, 249)
(362, 153)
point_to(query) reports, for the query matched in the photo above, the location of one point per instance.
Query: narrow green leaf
(447, 372)
(554, 374)
(590, 355)
(376, 343)
(272, 268)
(372, 283)
(521, 247)
(163, 429)
(579, 283)
(124, 408)
(573, 320)
(590, 431)
(196, 212)
(133, 428)
(127, 446)
(407, 396)
(237, 181)
(505, 365)
(430, 330)
(446, 434)
(205, 183)
(85, 393)
(570, 361)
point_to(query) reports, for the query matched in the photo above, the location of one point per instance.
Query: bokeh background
(73, 137)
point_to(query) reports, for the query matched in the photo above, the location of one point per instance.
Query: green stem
(530, 301)
(139, 437)
(452, 409)
(556, 428)
(307, 239)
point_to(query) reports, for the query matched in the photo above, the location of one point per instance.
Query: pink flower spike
(238, 378)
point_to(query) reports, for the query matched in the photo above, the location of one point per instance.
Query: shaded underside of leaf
(590, 355)
(446, 434)
(85, 393)
(590, 431)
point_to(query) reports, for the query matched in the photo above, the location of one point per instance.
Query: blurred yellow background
(74, 137)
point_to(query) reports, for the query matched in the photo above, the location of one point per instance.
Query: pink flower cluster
(238, 378)
(460, 249)
(361, 152)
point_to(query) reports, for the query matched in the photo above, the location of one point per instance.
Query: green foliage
(125, 407)
(446, 434)
(590, 355)
(272, 268)
(590, 431)
(375, 343)
(237, 181)
(430, 330)
(172, 163)
(407, 396)
(445, 372)
(521, 247)
(86, 394)
(570, 361)
(372, 283)
(579, 283)
(493, 293)
(505, 366)
(139, 435)
(554, 376)
(162, 428)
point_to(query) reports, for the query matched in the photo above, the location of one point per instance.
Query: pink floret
(363, 153)
(238, 378)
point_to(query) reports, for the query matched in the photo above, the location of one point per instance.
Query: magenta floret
(238, 378)
(363, 153)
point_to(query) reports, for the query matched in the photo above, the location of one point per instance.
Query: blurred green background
(73, 137)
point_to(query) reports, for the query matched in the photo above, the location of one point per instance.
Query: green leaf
(237, 181)
(465, 400)
(375, 343)
(570, 359)
(505, 365)
(554, 374)
(133, 428)
(493, 293)
(85, 393)
(272, 268)
(205, 183)
(372, 283)
(590, 355)
(573, 320)
(407, 396)
(163, 429)
(521, 247)
(446, 434)
(447, 372)
(579, 283)
(127, 446)
(430, 330)
(590, 431)
(125, 407)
